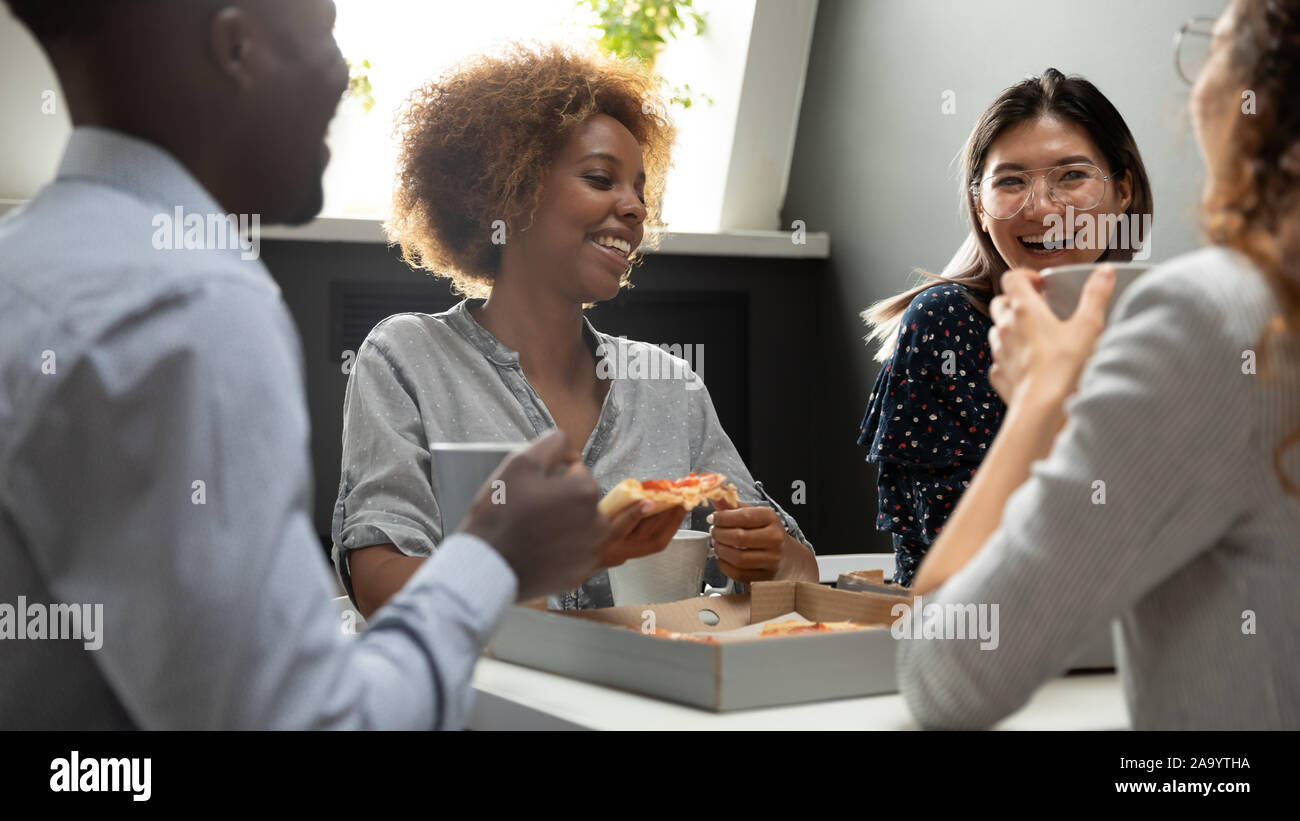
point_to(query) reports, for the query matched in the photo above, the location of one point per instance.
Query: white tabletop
(512, 697)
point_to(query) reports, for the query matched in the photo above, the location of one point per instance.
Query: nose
(1039, 202)
(632, 209)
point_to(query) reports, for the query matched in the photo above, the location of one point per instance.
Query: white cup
(672, 574)
(1063, 285)
(460, 469)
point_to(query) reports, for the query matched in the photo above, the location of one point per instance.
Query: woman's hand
(1035, 351)
(752, 546)
(636, 533)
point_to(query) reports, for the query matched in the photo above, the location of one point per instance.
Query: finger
(1000, 309)
(577, 485)
(745, 559)
(649, 527)
(1017, 284)
(576, 472)
(1096, 293)
(601, 534)
(997, 380)
(723, 504)
(743, 575)
(628, 518)
(551, 451)
(667, 523)
(995, 341)
(764, 540)
(744, 517)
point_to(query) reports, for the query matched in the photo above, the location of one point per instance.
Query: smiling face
(1034, 145)
(590, 216)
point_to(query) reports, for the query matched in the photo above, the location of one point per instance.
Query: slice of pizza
(689, 492)
(791, 627)
(795, 626)
(661, 633)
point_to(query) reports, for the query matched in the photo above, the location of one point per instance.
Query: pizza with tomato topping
(795, 626)
(689, 492)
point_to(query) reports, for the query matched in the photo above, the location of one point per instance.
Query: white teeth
(1042, 238)
(622, 246)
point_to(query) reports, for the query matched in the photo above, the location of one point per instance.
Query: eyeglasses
(1080, 185)
(1192, 47)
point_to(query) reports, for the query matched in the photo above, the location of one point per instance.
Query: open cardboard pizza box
(608, 647)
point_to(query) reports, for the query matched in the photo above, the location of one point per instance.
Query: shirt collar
(138, 167)
(462, 320)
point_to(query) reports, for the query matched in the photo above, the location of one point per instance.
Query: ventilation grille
(357, 307)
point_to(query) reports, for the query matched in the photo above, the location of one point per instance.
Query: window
(408, 42)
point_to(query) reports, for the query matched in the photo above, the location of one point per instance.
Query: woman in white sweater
(1150, 474)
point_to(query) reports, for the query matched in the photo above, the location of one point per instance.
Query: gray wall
(876, 159)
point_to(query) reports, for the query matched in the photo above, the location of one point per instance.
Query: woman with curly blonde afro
(527, 177)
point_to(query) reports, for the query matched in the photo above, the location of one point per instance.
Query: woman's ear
(1124, 190)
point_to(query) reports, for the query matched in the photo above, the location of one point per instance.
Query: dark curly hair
(1254, 206)
(476, 143)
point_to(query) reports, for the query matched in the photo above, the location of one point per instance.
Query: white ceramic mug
(672, 574)
(1063, 285)
(460, 469)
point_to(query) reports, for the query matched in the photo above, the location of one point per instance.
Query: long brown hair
(977, 264)
(1252, 204)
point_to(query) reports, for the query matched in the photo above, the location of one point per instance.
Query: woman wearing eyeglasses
(1165, 493)
(1050, 155)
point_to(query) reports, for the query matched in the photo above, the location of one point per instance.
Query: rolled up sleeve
(386, 495)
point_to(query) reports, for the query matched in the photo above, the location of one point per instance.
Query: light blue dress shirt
(154, 461)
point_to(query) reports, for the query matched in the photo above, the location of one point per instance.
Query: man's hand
(548, 528)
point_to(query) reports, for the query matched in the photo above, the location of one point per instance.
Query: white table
(513, 697)
(510, 697)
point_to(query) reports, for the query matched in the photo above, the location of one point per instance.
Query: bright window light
(408, 42)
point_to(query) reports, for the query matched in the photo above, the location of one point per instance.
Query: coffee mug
(674, 573)
(1063, 285)
(461, 468)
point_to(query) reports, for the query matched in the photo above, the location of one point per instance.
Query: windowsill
(779, 244)
(773, 244)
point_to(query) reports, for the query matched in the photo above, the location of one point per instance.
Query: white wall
(31, 141)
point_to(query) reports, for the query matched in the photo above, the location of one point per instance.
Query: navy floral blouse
(930, 420)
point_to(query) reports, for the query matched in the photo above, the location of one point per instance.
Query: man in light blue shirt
(158, 567)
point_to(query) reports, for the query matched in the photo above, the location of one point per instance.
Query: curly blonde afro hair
(476, 144)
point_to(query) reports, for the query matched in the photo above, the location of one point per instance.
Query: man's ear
(232, 46)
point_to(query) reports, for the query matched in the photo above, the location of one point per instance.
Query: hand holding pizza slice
(646, 515)
(688, 492)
